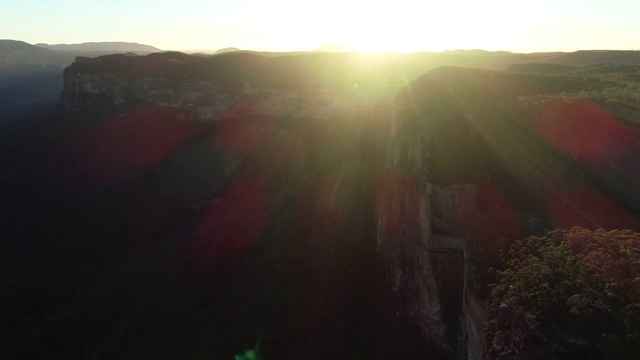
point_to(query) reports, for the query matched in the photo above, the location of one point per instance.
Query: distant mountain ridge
(228, 49)
(116, 46)
(332, 48)
(583, 57)
(20, 53)
(31, 76)
(17, 45)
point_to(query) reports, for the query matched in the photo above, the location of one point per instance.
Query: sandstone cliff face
(407, 210)
(373, 211)
(207, 89)
(404, 228)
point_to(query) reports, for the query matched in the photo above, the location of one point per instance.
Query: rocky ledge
(207, 88)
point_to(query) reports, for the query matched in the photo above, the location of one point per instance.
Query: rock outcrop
(425, 188)
(363, 218)
(321, 85)
(336, 91)
(207, 88)
(432, 167)
(404, 229)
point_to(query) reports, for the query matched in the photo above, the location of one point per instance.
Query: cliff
(371, 150)
(258, 186)
(501, 151)
(325, 205)
(321, 85)
(208, 87)
(343, 109)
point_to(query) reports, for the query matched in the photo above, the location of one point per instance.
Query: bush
(569, 294)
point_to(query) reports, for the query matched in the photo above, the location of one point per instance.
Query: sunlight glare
(408, 26)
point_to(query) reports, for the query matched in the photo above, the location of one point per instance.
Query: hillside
(31, 76)
(516, 154)
(17, 55)
(584, 57)
(30, 79)
(20, 46)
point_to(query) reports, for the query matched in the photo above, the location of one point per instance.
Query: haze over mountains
(115, 46)
(30, 75)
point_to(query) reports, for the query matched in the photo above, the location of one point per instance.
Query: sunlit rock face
(404, 228)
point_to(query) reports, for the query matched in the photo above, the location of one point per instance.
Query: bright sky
(370, 25)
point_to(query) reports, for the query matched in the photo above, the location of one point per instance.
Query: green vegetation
(251, 354)
(569, 294)
(606, 84)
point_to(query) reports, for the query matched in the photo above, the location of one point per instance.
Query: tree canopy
(569, 294)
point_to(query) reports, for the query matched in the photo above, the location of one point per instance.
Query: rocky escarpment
(209, 87)
(306, 142)
(310, 207)
(381, 162)
(396, 197)
(433, 257)
(404, 228)
(420, 177)
(320, 85)
(503, 165)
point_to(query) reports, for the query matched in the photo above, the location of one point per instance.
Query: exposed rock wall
(448, 204)
(404, 229)
(447, 261)
(206, 90)
(408, 210)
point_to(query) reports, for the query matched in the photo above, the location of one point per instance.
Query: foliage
(571, 293)
(248, 355)
(251, 354)
(610, 84)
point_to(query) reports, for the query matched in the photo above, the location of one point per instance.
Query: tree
(569, 294)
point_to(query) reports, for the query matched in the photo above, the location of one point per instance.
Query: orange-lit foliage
(572, 293)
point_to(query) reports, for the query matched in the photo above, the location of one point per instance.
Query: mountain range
(31, 75)
(112, 46)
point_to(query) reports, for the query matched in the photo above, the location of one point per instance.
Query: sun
(399, 26)
(393, 25)
(409, 26)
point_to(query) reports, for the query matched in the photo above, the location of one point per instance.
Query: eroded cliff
(207, 88)
(307, 147)
(319, 205)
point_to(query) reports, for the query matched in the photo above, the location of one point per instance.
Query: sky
(290, 25)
